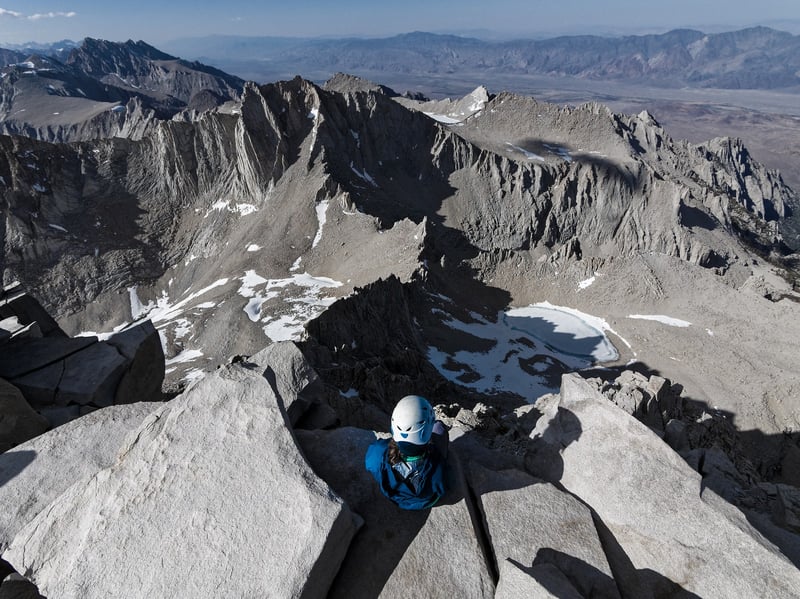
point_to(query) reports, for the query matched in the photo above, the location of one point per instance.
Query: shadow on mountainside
(695, 218)
(741, 467)
(605, 165)
(372, 346)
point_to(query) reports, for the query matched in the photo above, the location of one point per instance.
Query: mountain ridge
(106, 88)
(753, 58)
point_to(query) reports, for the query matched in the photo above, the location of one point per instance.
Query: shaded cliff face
(238, 226)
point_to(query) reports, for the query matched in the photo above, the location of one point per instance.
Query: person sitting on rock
(410, 467)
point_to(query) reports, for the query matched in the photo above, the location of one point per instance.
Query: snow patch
(321, 208)
(39, 188)
(303, 308)
(668, 320)
(218, 206)
(223, 205)
(57, 227)
(443, 118)
(244, 209)
(194, 374)
(296, 265)
(162, 310)
(250, 280)
(103, 336)
(363, 175)
(586, 282)
(253, 247)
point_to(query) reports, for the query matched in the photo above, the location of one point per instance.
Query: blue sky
(163, 20)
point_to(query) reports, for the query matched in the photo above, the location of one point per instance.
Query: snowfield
(667, 320)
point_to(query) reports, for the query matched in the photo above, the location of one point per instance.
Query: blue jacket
(430, 486)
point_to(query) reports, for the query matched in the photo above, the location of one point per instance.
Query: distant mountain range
(68, 92)
(754, 58)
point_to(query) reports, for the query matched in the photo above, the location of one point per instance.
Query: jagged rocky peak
(127, 59)
(344, 83)
(108, 89)
(139, 65)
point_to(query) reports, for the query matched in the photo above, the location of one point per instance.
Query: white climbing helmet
(412, 420)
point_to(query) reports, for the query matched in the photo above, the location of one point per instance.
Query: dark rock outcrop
(63, 377)
(18, 421)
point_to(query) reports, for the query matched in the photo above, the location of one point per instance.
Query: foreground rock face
(211, 490)
(674, 535)
(35, 473)
(540, 582)
(213, 473)
(532, 523)
(63, 377)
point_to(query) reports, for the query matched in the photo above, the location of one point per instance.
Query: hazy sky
(162, 20)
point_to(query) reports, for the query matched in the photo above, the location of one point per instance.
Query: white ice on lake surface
(528, 350)
(668, 320)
